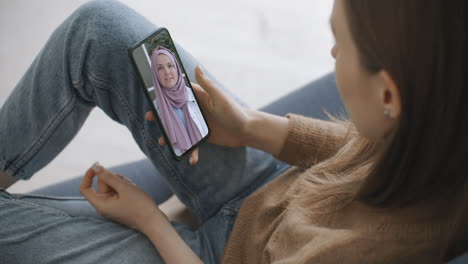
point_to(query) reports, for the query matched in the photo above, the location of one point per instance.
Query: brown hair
(421, 44)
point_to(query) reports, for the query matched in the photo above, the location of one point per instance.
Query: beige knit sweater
(267, 231)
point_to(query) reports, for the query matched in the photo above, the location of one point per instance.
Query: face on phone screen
(170, 92)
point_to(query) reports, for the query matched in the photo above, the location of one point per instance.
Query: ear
(389, 95)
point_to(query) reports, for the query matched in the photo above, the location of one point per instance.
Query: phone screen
(167, 87)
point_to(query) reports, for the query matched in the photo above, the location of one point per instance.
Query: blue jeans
(85, 64)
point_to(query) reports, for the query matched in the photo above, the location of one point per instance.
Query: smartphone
(168, 90)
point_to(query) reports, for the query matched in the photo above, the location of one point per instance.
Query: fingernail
(97, 167)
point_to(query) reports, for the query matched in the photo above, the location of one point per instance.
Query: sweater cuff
(294, 142)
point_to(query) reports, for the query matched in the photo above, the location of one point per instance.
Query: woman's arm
(265, 131)
(295, 139)
(170, 245)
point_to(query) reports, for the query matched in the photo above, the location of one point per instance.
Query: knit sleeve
(311, 140)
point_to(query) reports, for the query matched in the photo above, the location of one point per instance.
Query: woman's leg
(84, 64)
(32, 233)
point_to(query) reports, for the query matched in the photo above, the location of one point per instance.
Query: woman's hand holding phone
(226, 118)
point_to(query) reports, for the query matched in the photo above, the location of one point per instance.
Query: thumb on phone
(207, 84)
(202, 96)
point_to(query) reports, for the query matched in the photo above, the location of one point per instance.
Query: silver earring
(387, 113)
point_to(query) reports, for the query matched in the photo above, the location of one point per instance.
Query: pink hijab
(177, 96)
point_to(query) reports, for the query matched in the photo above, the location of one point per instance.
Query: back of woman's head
(421, 44)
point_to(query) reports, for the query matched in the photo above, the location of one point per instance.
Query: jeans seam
(17, 164)
(36, 206)
(50, 197)
(112, 87)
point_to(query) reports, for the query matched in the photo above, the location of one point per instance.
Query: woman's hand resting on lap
(118, 199)
(227, 120)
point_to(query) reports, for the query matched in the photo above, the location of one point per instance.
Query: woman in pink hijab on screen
(175, 102)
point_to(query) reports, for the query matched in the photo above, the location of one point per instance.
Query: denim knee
(111, 22)
(99, 34)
